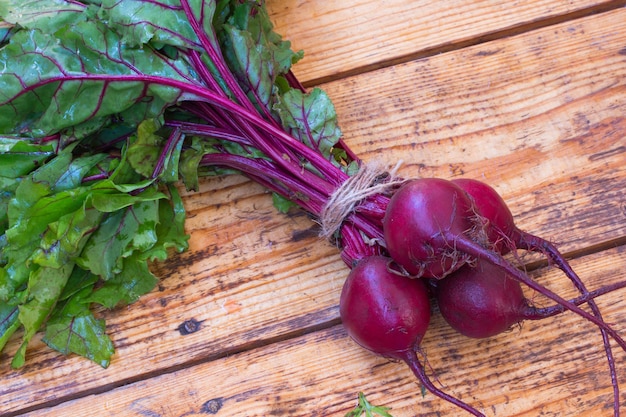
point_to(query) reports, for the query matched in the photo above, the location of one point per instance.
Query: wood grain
(545, 368)
(534, 115)
(344, 38)
(539, 115)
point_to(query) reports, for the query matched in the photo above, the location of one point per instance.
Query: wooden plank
(553, 367)
(253, 275)
(538, 116)
(341, 38)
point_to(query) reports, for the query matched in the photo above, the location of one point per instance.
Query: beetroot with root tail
(388, 314)
(430, 224)
(498, 223)
(482, 300)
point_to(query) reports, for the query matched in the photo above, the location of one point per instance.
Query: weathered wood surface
(539, 115)
(518, 373)
(348, 37)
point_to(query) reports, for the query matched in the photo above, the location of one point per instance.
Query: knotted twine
(371, 178)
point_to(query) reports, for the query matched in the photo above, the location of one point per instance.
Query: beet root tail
(412, 360)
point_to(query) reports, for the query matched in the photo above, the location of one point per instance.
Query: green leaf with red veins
(74, 329)
(311, 118)
(83, 74)
(159, 23)
(250, 64)
(45, 15)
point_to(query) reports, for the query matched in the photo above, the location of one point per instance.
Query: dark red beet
(501, 230)
(382, 311)
(430, 230)
(482, 300)
(388, 314)
(417, 215)
(498, 219)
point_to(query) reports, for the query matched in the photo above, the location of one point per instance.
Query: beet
(388, 314)
(417, 215)
(482, 300)
(497, 222)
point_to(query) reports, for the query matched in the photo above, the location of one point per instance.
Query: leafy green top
(104, 106)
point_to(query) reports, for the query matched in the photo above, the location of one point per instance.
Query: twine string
(371, 178)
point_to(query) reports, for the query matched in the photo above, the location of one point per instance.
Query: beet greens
(129, 98)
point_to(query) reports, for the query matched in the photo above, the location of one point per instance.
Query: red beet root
(388, 314)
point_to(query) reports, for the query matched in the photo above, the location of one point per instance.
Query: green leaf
(251, 65)
(78, 281)
(170, 170)
(143, 152)
(46, 15)
(8, 322)
(147, 215)
(6, 31)
(65, 238)
(44, 216)
(109, 202)
(7, 193)
(170, 229)
(73, 175)
(74, 329)
(188, 167)
(311, 118)
(364, 406)
(34, 220)
(282, 204)
(19, 157)
(151, 155)
(83, 75)
(134, 280)
(122, 232)
(159, 23)
(44, 288)
(24, 237)
(40, 183)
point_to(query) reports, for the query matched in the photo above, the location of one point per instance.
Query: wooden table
(529, 96)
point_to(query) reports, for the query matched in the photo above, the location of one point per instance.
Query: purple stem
(538, 313)
(204, 130)
(171, 143)
(274, 179)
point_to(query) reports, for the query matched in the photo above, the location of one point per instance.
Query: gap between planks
(461, 44)
(529, 267)
(257, 344)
